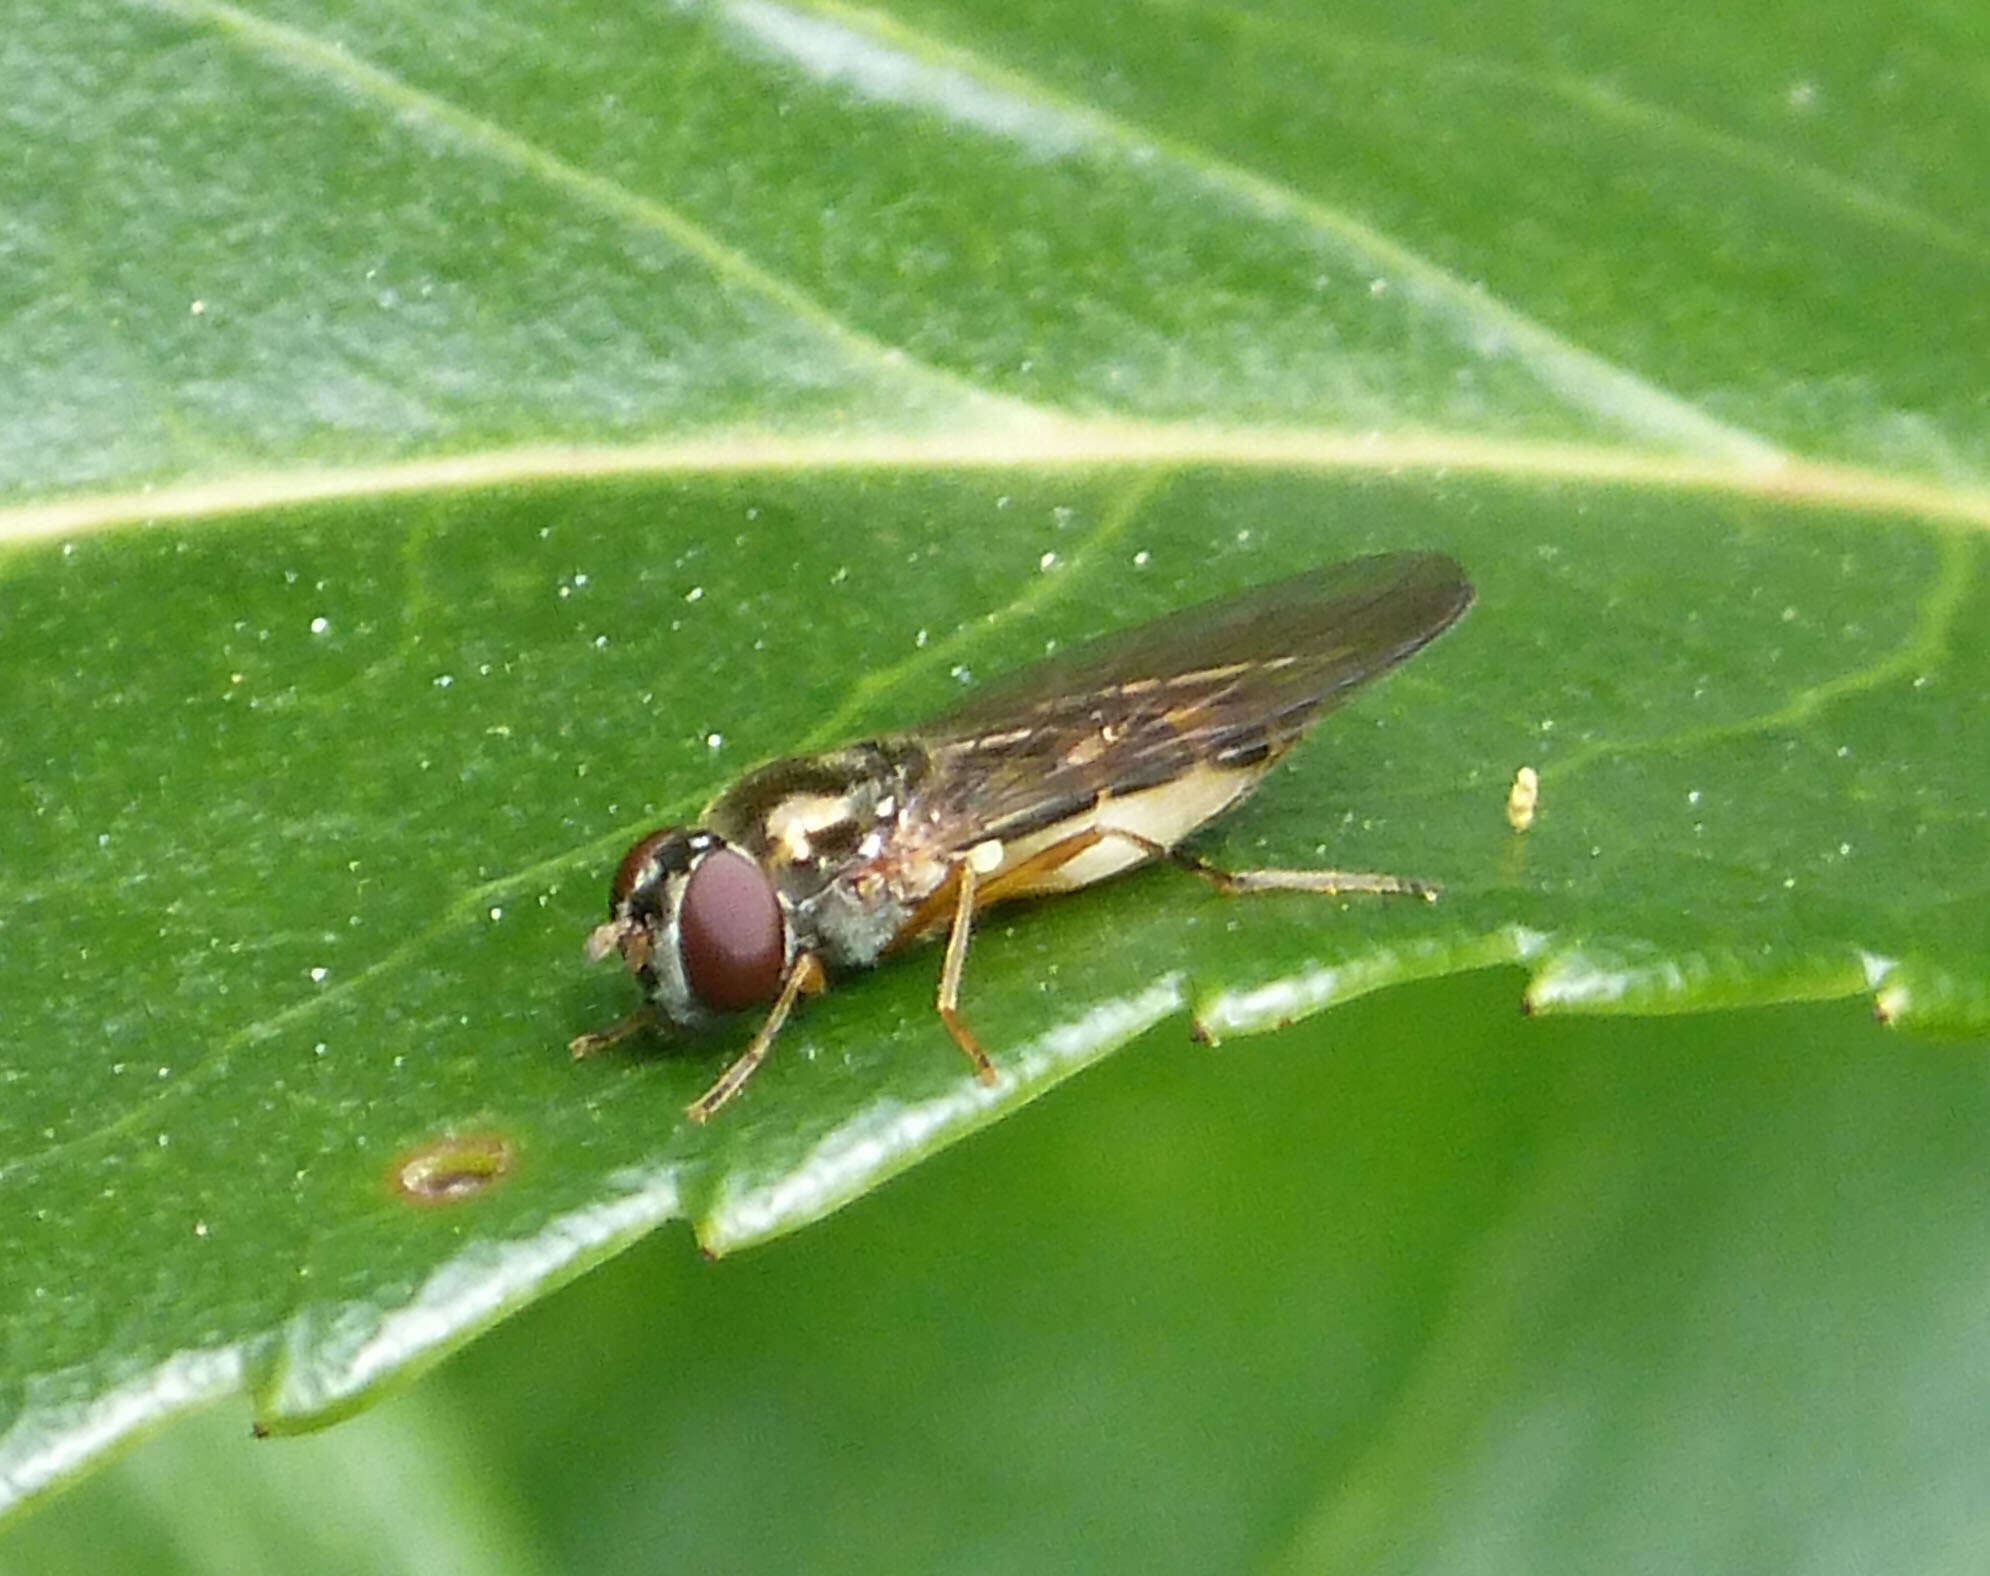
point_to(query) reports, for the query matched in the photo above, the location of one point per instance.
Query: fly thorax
(812, 819)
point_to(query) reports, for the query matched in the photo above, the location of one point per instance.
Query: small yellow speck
(1522, 797)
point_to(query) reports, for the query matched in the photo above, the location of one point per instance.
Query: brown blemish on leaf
(451, 1169)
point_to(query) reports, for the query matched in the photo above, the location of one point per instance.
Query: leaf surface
(444, 445)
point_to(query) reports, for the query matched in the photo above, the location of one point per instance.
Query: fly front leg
(804, 976)
(588, 1044)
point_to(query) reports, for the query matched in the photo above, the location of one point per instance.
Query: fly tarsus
(644, 1018)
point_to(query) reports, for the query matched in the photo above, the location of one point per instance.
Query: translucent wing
(1230, 684)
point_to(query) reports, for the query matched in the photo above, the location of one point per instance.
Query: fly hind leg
(1236, 883)
(970, 888)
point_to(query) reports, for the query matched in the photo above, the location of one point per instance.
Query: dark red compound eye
(730, 933)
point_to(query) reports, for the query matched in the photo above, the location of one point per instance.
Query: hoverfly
(1063, 774)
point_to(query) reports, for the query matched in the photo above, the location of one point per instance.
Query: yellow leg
(587, 1044)
(1236, 883)
(804, 976)
(949, 998)
(967, 891)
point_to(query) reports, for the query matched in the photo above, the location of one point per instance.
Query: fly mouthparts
(605, 938)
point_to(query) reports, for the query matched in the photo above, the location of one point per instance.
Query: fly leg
(969, 891)
(805, 976)
(949, 998)
(1235, 883)
(637, 1021)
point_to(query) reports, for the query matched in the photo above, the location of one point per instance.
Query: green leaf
(403, 1490)
(445, 444)
(1418, 1285)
